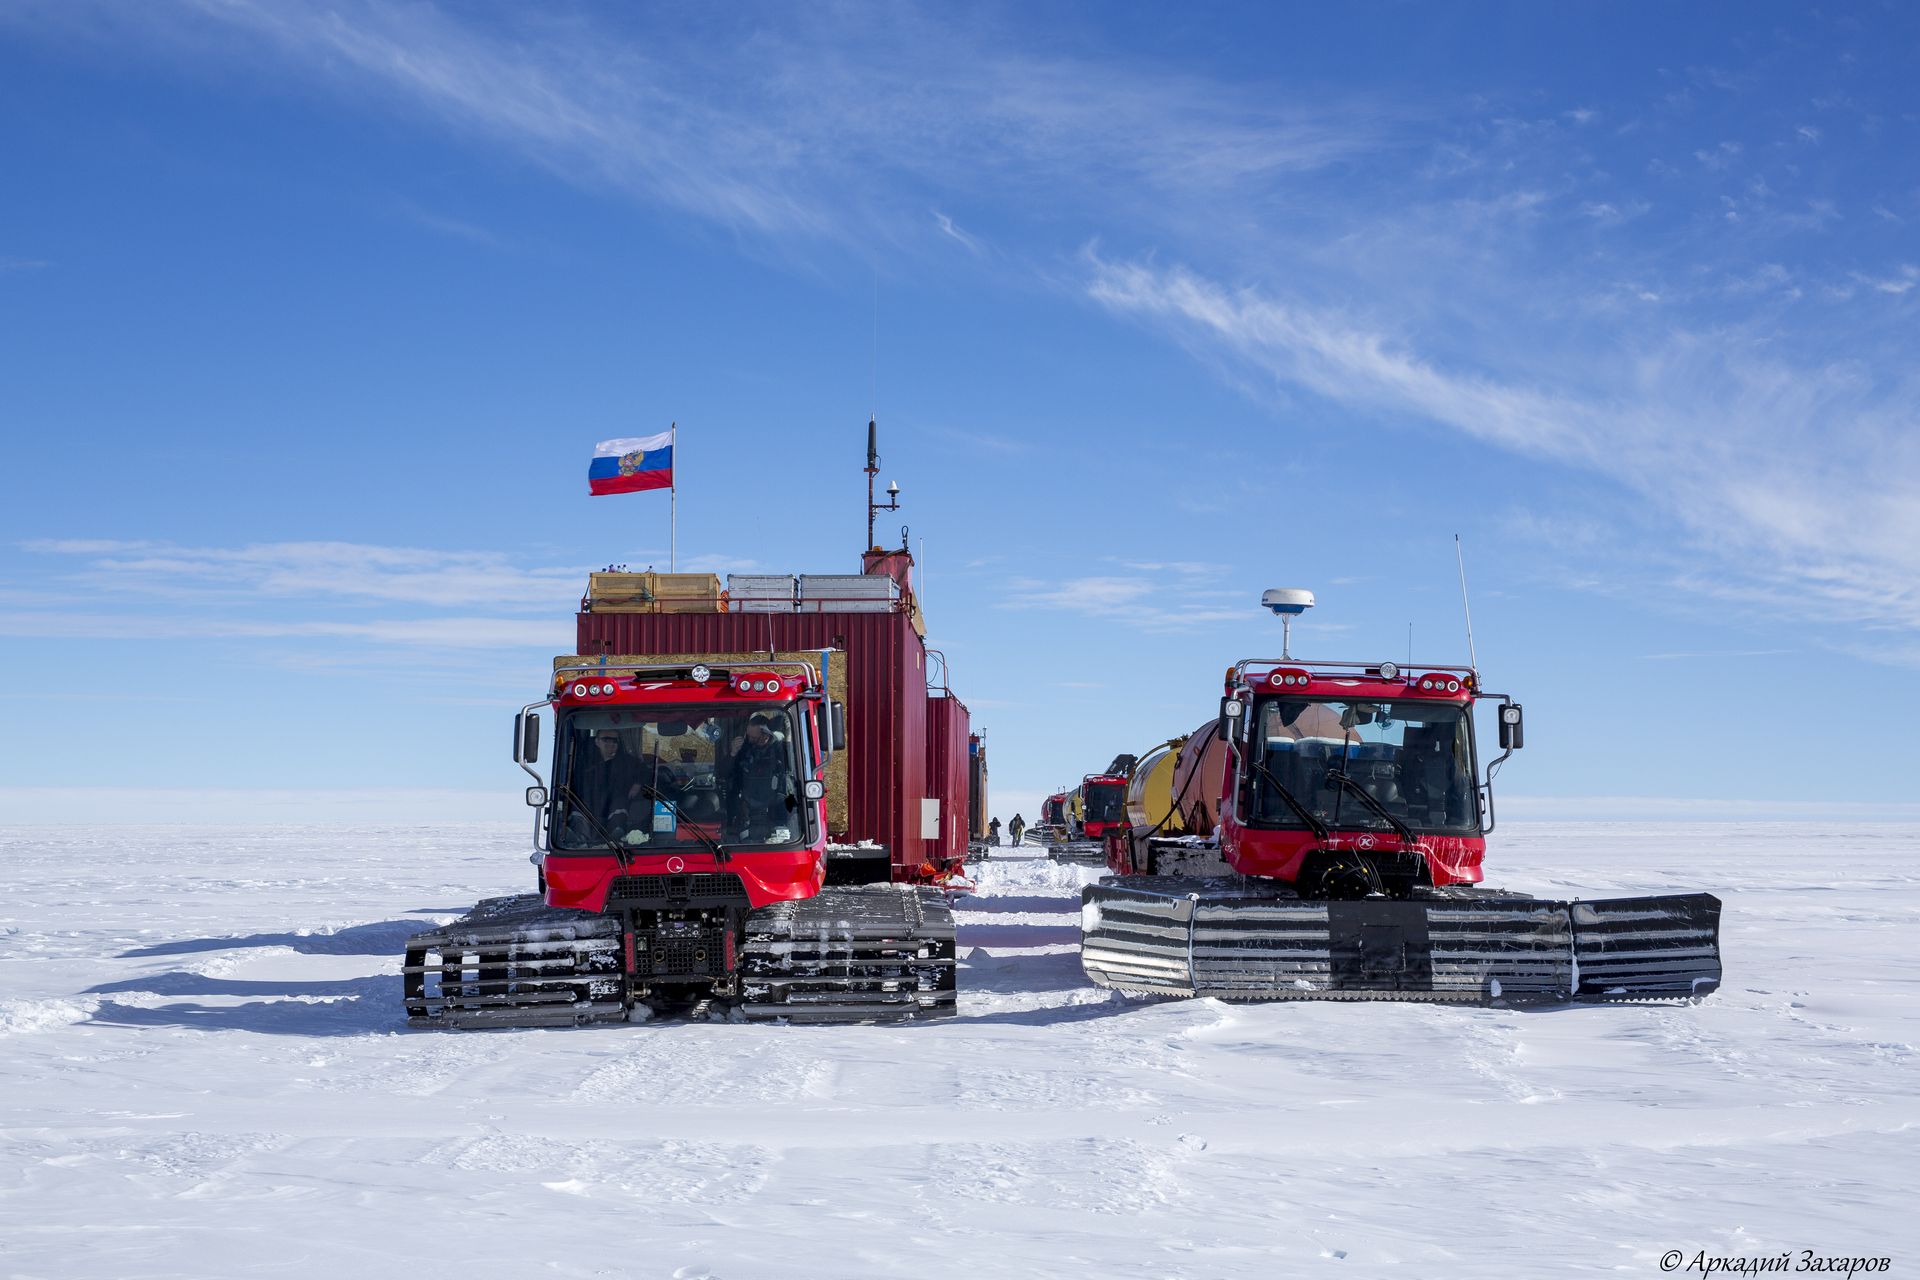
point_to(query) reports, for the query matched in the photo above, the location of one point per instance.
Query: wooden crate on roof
(651, 592)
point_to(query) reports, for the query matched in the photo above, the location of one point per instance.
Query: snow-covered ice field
(206, 1072)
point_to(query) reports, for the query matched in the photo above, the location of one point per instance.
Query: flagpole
(673, 504)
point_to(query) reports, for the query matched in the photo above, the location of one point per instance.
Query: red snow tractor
(1091, 810)
(1103, 804)
(708, 837)
(1053, 816)
(1352, 824)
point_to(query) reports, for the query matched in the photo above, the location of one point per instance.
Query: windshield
(1415, 758)
(659, 777)
(1106, 802)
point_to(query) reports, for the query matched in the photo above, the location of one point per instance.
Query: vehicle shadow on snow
(1019, 935)
(387, 938)
(987, 974)
(1052, 905)
(346, 1007)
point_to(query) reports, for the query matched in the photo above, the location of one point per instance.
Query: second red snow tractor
(1053, 817)
(1103, 804)
(1097, 807)
(1346, 865)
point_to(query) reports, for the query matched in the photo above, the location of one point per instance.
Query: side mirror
(1232, 711)
(526, 739)
(836, 726)
(536, 797)
(1513, 734)
(814, 789)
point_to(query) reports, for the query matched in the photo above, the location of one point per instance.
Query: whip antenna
(1465, 608)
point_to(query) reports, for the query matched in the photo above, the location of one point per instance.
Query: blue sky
(312, 314)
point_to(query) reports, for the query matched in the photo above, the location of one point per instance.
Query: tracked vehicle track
(866, 953)
(516, 962)
(1091, 853)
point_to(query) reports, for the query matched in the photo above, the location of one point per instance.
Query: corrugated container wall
(947, 770)
(886, 701)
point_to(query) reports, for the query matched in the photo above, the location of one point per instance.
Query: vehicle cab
(1103, 804)
(686, 772)
(1349, 779)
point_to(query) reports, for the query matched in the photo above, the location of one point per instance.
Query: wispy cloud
(1612, 213)
(1488, 269)
(358, 604)
(473, 632)
(818, 125)
(1719, 157)
(380, 600)
(1740, 448)
(23, 264)
(1158, 603)
(1189, 568)
(947, 228)
(441, 224)
(1900, 281)
(316, 570)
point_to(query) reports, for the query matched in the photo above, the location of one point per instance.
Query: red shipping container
(887, 739)
(947, 770)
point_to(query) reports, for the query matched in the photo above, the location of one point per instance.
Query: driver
(759, 781)
(612, 783)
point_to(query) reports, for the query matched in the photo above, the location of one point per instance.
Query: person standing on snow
(993, 832)
(1017, 828)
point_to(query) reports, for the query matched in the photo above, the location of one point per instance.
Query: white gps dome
(1287, 602)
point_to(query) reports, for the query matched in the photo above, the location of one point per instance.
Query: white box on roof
(761, 592)
(847, 593)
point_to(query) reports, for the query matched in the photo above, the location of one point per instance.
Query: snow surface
(206, 1072)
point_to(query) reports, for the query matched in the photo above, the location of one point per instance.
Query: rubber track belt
(516, 962)
(854, 953)
(865, 953)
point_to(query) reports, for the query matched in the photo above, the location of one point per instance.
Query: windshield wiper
(1341, 778)
(1306, 815)
(620, 852)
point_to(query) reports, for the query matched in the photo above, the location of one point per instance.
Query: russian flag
(626, 466)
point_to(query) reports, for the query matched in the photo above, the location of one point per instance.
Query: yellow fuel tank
(1150, 791)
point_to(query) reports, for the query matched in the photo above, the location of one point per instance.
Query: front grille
(690, 953)
(700, 889)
